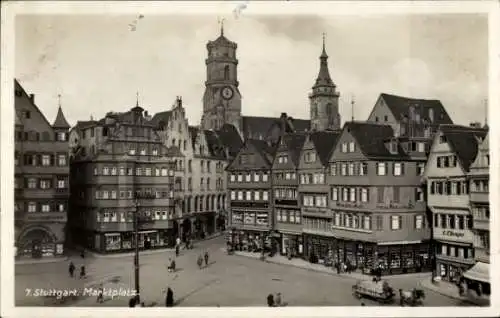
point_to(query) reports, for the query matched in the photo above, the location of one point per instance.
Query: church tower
(324, 99)
(222, 98)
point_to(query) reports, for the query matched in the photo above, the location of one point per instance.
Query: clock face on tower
(227, 92)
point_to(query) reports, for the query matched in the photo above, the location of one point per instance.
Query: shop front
(477, 280)
(318, 248)
(125, 241)
(291, 244)
(38, 242)
(390, 259)
(450, 271)
(248, 240)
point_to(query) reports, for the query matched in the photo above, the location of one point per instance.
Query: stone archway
(36, 242)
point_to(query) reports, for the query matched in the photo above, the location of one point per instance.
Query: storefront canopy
(479, 272)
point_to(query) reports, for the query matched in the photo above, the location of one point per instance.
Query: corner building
(453, 150)
(379, 210)
(118, 160)
(41, 185)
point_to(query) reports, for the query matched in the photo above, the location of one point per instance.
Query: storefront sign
(250, 205)
(453, 233)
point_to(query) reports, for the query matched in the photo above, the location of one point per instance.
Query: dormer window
(61, 136)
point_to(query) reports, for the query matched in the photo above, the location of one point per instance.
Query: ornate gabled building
(120, 167)
(41, 179)
(203, 182)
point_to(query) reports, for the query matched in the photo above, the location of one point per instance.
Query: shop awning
(111, 234)
(147, 231)
(479, 272)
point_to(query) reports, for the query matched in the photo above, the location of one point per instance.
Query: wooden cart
(380, 291)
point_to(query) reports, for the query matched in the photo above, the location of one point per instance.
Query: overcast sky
(97, 63)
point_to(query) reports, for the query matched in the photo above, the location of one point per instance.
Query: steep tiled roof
(60, 121)
(371, 139)
(324, 143)
(400, 107)
(161, 117)
(82, 124)
(230, 138)
(262, 146)
(257, 125)
(294, 144)
(464, 142)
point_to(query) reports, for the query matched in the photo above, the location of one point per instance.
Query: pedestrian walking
(277, 300)
(171, 267)
(169, 299)
(71, 269)
(270, 300)
(131, 302)
(100, 294)
(200, 261)
(82, 271)
(206, 258)
(177, 250)
(82, 254)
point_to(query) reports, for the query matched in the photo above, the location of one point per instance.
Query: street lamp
(138, 220)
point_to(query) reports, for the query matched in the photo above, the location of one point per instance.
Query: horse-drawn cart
(377, 290)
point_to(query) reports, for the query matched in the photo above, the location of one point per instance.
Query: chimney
(145, 113)
(283, 115)
(32, 98)
(179, 101)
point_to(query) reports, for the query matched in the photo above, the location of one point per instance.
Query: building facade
(314, 192)
(479, 274)
(203, 177)
(120, 170)
(249, 186)
(378, 206)
(41, 185)
(453, 150)
(286, 205)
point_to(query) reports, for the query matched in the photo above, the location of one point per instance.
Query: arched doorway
(186, 228)
(36, 242)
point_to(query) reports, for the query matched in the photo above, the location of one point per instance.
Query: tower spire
(137, 99)
(485, 112)
(221, 22)
(59, 100)
(323, 78)
(323, 54)
(352, 107)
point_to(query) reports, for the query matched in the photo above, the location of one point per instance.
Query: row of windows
(257, 177)
(283, 159)
(449, 187)
(310, 156)
(33, 207)
(482, 240)
(355, 194)
(128, 194)
(479, 186)
(41, 183)
(455, 251)
(288, 216)
(314, 200)
(257, 195)
(318, 224)
(452, 221)
(139, 171)
(36, 136)
(285, 194)
(44, 160)
(285, 176)
(219, 184)
(361, 169)
(142, 152)
(353, 221)
(250, 218)
(446, 161)
(312, 178)
(124, 217)
(481, 212)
